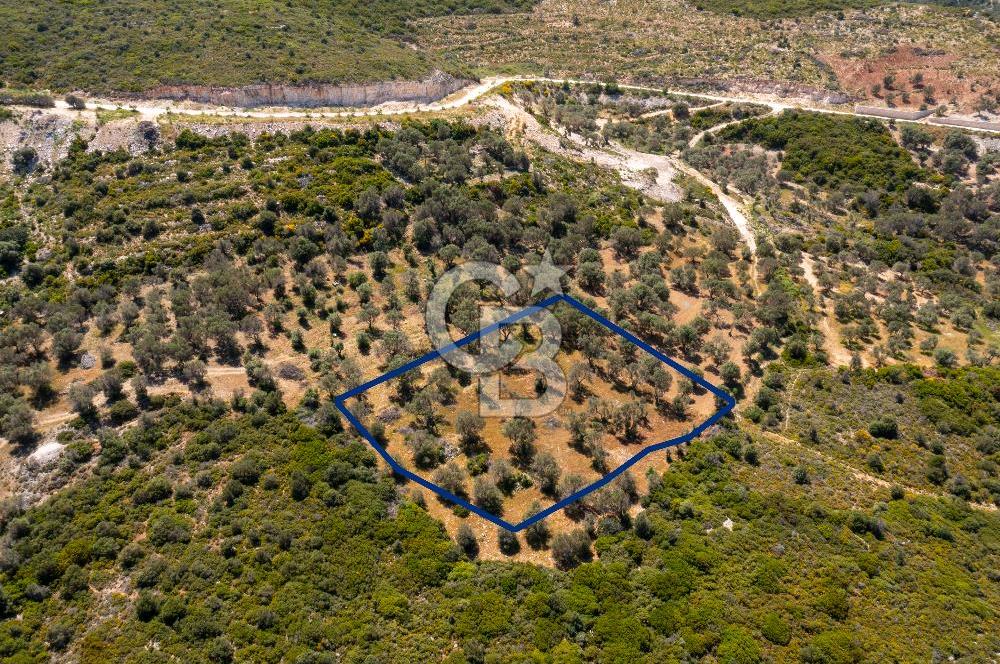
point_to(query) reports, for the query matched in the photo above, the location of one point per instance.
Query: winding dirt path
(633, 167)
(711, 130)
(669, 111)
(839, 355)
(734, 208)
(858, 474)
(54, 419)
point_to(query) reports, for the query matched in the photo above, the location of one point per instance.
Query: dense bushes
(831, 151)
(192, 43)
(964, 401)
(25, 98)
(384, 572)
(884, 428)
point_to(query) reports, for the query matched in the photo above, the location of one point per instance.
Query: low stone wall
(968, 124)
(892, 113)
(314, 95)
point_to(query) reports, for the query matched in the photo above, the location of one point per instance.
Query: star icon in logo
(545, 275)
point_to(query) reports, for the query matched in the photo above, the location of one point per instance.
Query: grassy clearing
(105, 116)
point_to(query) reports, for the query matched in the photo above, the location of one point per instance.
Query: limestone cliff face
(434, 87)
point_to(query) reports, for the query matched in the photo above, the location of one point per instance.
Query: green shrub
(147, 606)
(738, 647)
(833, 647)
(776, 630)
(834, 603)
(169, 529)
(831, 150)
(154, 491)
(571, 549)
(885, 427)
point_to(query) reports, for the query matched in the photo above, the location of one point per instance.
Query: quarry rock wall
(314, 95)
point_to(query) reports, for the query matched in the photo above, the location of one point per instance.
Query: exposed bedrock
(312, 95)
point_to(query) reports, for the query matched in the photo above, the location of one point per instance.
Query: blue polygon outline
(341, 400)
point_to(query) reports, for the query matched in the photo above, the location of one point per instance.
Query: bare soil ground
(936, 66)
(552, 437)
(839, 356)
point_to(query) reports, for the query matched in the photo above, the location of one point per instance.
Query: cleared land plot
(619, 401)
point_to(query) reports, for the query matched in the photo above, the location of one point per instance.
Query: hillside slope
(131, 47)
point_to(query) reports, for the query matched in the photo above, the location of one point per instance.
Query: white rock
(87, 361)
(46, 453)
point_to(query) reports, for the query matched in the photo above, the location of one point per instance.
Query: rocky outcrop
(254, 129)
(314, 95)
(50, 135)
(131, 134)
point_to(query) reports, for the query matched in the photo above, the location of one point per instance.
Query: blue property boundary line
(341, 403)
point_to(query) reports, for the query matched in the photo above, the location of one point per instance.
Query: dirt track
(858, 474)
(831, 340)
(154, 109)
(633, 167)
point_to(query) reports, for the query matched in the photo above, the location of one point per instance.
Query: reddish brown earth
(858, 75)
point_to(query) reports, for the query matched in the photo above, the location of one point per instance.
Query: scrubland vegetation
(137, 46)
(908, 238)
(894, 54)
(819, 49)
(645, 120)
(787, 8)
(619, 399)
(831, 151)
(781, 8)
(177, 485)
(903, 426)
(293, 547)
(180, 321)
